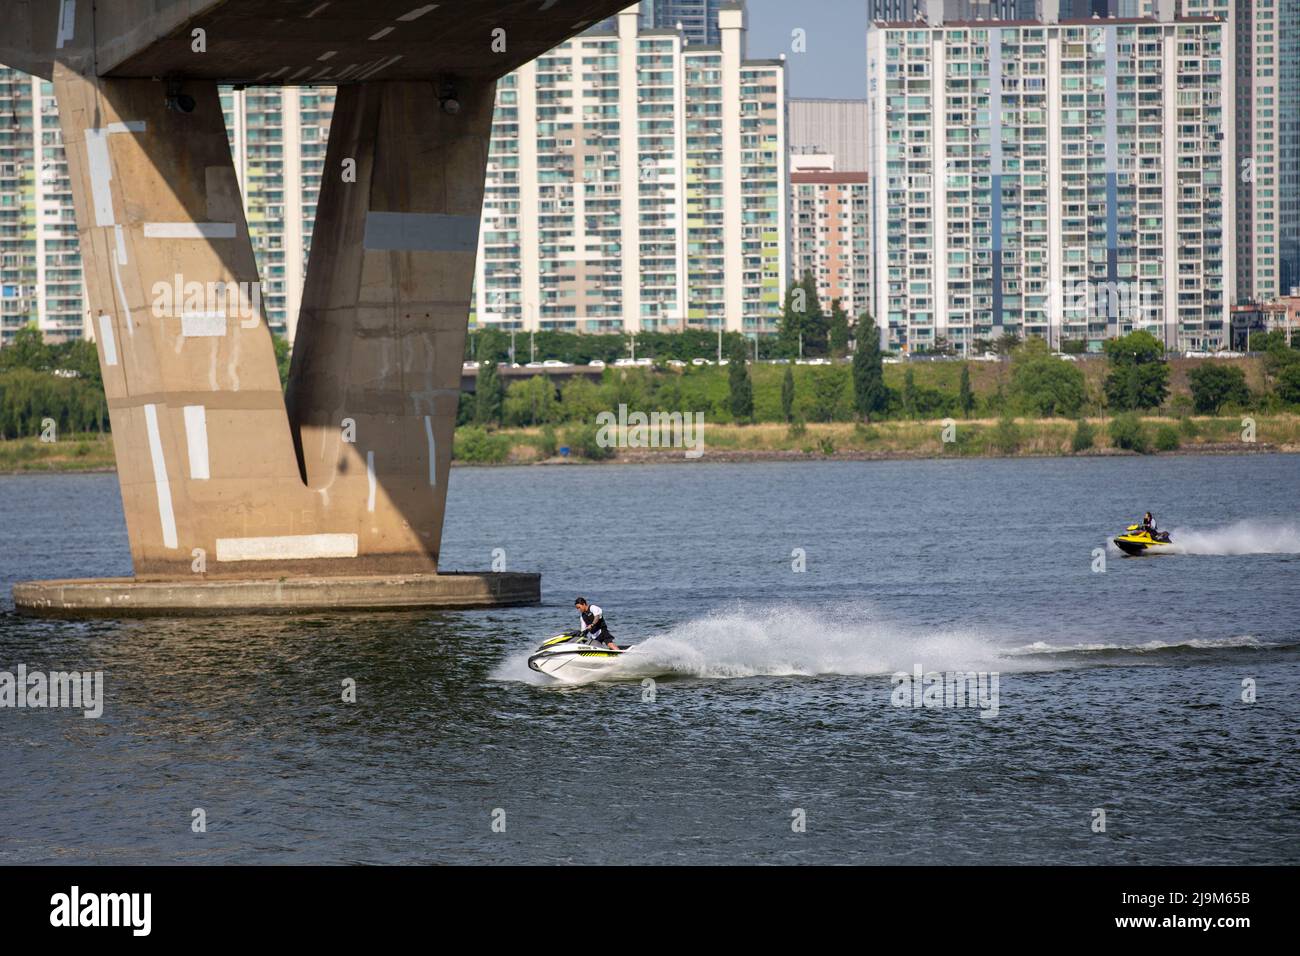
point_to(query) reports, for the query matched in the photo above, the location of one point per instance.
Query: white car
(595, 363)
(819, 361)
(535, 365)
(469, 365)
(701, 362)
(644, 362)
(623, 362)
(724, 361)
(676, 363)
(555, 363)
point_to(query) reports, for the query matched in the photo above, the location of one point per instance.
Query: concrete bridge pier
(224, 483)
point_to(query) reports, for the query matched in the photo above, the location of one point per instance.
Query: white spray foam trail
(1241, 537)
(1194, 643)
(789, 641)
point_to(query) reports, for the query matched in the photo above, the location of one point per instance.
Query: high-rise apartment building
(830, 231)
(636, 181)
(1267, 39)
(1069, 180)
(40, 261)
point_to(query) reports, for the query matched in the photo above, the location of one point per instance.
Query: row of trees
(59, 381)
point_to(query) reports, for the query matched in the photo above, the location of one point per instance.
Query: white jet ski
(575, 658)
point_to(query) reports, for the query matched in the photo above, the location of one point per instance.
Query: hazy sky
(836, 61)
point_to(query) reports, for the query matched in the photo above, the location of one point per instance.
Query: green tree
(1288, 384)
(965, 397)
(1044, 385)
(1214, 385)
(487, 395)
(1127, 431)
(787, 394)
(802, 320)
(909, 393)
(1083, 436)
(27, 350)
(580, 400)
(530, 401)
(1273, 341)
(828, 387)
(742, 389)
(838, 330)
(1139, 375)
(870, 395)
(1006, 343)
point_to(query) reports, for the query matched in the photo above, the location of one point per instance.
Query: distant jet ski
(1135, 541)
(575, 658)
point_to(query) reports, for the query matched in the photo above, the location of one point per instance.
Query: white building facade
(1070, 180)
(636, 181)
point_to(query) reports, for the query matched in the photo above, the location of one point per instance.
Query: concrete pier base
(128, 597)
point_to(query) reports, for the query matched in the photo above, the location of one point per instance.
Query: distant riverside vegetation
(1146, 397)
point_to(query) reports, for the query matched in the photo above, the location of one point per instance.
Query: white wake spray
(1241, 537)
(786, 641)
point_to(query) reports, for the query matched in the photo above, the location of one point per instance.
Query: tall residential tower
(1070, 180)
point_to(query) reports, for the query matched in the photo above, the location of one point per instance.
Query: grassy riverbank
(90, 452)
(973, 438)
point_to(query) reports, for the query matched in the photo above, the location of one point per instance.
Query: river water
(761, 723)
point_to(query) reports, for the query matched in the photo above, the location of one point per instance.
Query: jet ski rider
(593, 623)
(1149, 524)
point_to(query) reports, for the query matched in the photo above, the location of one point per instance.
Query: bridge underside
(222, 475)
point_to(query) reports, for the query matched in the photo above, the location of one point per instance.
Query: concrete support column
(381, 335)
(215, 481)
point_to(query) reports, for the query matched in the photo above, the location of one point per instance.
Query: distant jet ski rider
(593, 623)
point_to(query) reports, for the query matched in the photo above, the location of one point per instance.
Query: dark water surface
(1118, 691)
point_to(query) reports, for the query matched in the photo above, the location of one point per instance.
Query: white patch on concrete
(189, 230)
(418, 12)
(382, 33)
(121, 295)
(160, 481)
(433, 450)
(370, 480)
(203, 325)
(288, 547)
(283, 70)
(106, 338)
(119, 240)
(101, 176)
(101, 168)
(196, 439)
(67, 23)
(316, 11)
(420, 232)
(326, 55)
